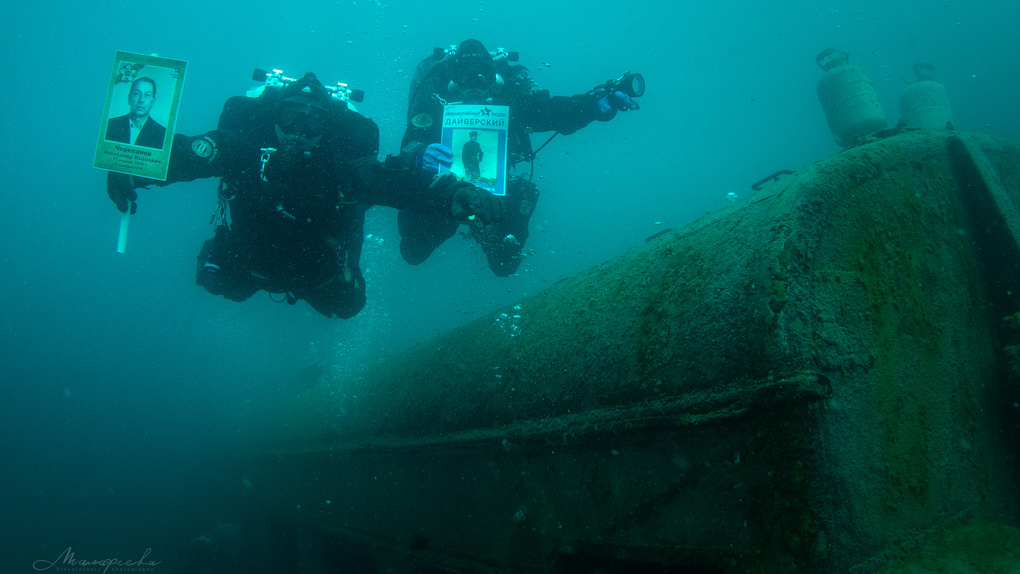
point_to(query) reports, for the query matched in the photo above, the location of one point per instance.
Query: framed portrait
(477, 135)
(139, 116)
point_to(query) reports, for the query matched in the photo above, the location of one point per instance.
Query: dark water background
(121, 381)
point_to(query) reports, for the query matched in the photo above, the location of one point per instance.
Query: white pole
(122, 236)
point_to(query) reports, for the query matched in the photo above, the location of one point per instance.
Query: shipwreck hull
(812, 379)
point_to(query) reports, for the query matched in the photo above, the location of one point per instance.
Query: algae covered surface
(970, 547)
(807, 380)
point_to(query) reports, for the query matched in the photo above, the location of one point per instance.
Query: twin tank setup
(852, 106)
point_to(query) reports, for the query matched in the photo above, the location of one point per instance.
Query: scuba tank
(275, 81)
(848, 97)
(925, 103)
(240, 112)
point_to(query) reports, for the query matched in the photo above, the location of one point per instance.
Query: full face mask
(300, 125)
(473, 72)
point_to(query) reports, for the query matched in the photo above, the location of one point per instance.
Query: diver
(470, 74)
(298, 170)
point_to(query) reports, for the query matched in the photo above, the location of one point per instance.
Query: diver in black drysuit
(298, 172)
(472, 76)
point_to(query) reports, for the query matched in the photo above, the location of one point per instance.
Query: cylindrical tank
(848, 97)
(925, 103)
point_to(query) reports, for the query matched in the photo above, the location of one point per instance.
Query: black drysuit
(531, 110)
(289, 222)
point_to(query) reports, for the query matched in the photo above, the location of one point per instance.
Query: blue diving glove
(434, 156)
(607, 105)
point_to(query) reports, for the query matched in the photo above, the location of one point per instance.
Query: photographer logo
(68, 562)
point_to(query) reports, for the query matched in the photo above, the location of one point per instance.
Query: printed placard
(477, 134)
(140, 114)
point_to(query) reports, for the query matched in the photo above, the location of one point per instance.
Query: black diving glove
(121, 189)
(469, 202)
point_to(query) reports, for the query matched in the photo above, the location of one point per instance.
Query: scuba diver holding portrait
(470, 74)
(298, 169)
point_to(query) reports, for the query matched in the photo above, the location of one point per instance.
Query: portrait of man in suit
(136, 127)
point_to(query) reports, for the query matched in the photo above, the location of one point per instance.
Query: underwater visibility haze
(129, 392)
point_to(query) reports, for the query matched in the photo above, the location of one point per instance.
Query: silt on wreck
(822, 377)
